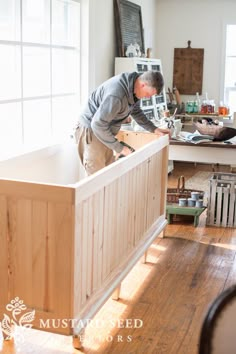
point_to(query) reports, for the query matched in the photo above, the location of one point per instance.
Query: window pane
(232, 100)
(230, 41)
(65, 71)
(10, 86)
(43, 60)
(37, 124)
(65, 22)
(36, 69)
(11, 129)
(230, 72)
(36, 21)
(65, 116)
(10, 20)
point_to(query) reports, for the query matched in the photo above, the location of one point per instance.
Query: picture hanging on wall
(129, 26)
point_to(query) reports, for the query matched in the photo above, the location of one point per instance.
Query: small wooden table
(175, 209)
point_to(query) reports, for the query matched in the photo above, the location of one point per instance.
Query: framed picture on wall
(129, 26)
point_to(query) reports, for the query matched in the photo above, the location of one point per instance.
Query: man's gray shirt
(108, 107)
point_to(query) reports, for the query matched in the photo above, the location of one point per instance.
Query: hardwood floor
(165, 299)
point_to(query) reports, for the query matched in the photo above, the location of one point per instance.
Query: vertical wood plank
(143, 199)
(225, 191)
(131, 208)
(123, 216)
(78, 239)
(164, 176)
(90, 245)
(60, 258)
(235, 206)
(98, 238)
(231, 204)
(212, 201)
(218, 206)
(117, 227)
(39, 253)
(22, 250)
(84, 246)
(4, 251)
(140, 197)
(107, 232)
(154, 186)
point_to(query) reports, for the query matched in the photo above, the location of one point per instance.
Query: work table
(211, 152)
(215, 152)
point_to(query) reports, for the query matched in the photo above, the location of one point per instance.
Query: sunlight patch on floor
(228, 246)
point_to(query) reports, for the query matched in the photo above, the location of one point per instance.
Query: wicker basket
(173, 194)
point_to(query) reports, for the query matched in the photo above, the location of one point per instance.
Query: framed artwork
(129, 26)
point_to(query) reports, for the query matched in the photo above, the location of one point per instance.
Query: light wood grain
(170, 293)
(69, 247)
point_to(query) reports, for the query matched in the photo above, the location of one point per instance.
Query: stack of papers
(231, 141)
(195, 138)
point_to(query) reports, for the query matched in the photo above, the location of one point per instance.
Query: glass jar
(189, 107)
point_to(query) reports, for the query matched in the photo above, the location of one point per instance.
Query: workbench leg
(196, 220)
(116, 293)
(77, 340)
(169, 218)
(144, 258)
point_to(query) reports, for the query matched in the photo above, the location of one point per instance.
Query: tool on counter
(177, 96)
(128, 146)
(170, 94)
(173, 115)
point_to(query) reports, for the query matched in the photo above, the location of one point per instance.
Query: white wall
(168, 24)
(202, 22)
(149, 11)
(100, 39)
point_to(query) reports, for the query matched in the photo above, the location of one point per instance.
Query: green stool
(175, 209)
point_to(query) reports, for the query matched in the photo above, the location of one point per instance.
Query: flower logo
(16, 306)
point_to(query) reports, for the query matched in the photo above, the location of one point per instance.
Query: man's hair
(153, 79)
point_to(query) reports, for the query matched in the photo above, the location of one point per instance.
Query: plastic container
(191, 202)
(195, 195)
(182, 202)
(199, 203)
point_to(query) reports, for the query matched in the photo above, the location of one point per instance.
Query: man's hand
(161, 132)
(124, 152)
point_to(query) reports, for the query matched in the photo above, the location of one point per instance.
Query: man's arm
(140, 117)
(101, 122)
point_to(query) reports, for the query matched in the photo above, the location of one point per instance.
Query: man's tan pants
(93, 154)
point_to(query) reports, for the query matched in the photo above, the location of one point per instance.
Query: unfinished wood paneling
(4, 250)
(69, 247)
(39, 253)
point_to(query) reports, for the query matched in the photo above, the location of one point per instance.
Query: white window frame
(50, 96)
(226, 90)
